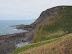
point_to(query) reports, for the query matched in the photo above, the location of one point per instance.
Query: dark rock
(8, 42)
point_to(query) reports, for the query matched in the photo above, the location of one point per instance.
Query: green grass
(60, 46)
(34, 45)
(24, 48)
(61, 22)
(39, 38)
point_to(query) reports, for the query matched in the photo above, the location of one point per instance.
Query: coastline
(23, 27)
(8, 42)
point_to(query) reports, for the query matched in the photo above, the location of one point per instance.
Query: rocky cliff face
(44, 18)
(45, 15)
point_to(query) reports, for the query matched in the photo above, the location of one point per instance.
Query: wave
(14, 29)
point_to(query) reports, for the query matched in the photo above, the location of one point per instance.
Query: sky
(27, 9)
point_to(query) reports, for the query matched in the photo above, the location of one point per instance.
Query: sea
(5, 26)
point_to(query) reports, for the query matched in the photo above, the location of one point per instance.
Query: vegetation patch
(28, 47)
(60, 46)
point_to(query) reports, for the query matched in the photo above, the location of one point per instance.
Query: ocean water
(6, 29)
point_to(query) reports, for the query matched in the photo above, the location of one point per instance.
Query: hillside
(61, 46)
(51, 34)
(60, 22)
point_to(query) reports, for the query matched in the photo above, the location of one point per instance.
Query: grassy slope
(28, 47)
(62, 23)
(47, 35)
(61, 46)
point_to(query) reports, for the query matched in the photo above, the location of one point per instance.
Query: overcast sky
(27, 9)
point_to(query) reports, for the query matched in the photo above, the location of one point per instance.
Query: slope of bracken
(61, 46)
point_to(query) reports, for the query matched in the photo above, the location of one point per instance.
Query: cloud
(31, 8)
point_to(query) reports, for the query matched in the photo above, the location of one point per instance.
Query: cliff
(51, 33)
(45, 15)
(45, 18)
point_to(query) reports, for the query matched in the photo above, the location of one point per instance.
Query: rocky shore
(24, 27)
(8, 42)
